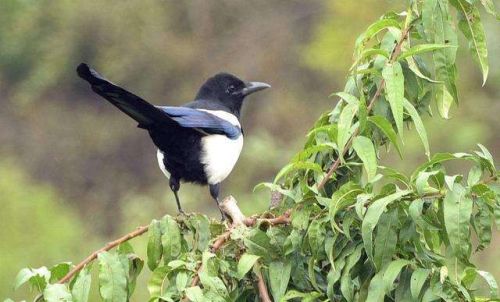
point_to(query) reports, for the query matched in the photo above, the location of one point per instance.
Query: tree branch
(261, 285)
(110, 245)
(394, 55)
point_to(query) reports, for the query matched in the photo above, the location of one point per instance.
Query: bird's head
(229, 91)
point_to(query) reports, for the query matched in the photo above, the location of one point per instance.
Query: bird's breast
(219, 155)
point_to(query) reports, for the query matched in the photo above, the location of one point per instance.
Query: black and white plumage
(199, 142)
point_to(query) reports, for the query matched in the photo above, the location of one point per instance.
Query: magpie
(198, 142)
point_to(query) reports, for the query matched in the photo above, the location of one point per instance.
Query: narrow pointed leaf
(394, 86)
(366, 151)
(386, 239)
(344, 125)
(457, 210)
(279, 275)
(422, 48)
(386, 128)
(372, 217)
(469, 23)
(419, 125)
(418, 279)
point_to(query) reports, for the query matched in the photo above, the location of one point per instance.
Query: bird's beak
(252, 87)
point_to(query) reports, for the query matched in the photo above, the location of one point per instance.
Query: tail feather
(140, 110)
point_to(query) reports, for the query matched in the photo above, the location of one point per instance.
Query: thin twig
(261, 285)
(336, 164)
(110, 245)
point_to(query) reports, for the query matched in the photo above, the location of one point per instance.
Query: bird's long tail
(143, 112)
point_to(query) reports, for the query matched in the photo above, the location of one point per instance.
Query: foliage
(359, 231)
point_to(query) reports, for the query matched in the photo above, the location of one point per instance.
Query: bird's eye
(231, 89)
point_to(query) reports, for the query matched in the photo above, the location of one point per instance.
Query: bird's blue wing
(204, 121)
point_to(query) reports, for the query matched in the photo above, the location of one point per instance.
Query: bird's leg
(214, 191)
(174, 186)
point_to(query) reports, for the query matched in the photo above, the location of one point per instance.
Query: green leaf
(135, 266)
(366, 151)
(419, 125)
(349, 98)
(386, 239)
(279, 276)
(368, 53)
(418, 279)
(444, 59)
(59, 270)
(457, 210)
(394, 87)
(293, 294)
(416, 70)
(436, 159)
(170, 238)
(258, 243)
(158, 281)
(346, 284)
(383, 281)
(245, 263)
(297, 166)
(213, 283)
(341, 198)
(429, 19)
(316, 236)
(372, 217)
(80, 288)
(482, 223)
(492, 283)
(385, 126)
(112, 278)
(469, 23)
(57, 293)
(422, 48)
(195, 294)
(344, 126)
(37, 277)
(22, 277)
(372, 30)
(444, 101)
(486, 155)
(154, 244)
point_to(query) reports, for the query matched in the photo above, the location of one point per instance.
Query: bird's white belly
(160, 156)
(219, 155)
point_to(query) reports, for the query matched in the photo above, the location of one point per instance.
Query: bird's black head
(228, 91)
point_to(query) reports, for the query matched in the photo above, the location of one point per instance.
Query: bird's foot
(222, 215)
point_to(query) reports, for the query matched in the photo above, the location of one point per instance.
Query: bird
(198, 142)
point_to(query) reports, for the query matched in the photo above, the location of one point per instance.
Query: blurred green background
(75, 172)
